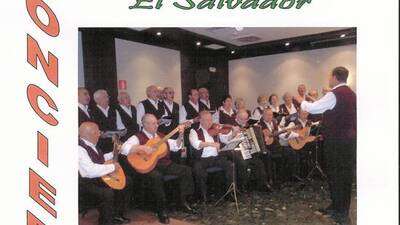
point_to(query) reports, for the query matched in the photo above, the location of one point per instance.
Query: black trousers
(200, 171)
(111, 202)
(340, 156)
(291, 162)
(184, 174)
(253, 167)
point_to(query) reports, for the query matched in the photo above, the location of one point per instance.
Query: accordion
(252, 142)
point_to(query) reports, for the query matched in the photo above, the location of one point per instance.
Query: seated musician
(83, 104)
(274, 104)
(127, 113)
(225, 113)
(262, 101)
(164, 166)
(106, 117)
(293, 157)
(240, 104)
(255, 163)
(269, 122)
(92, 166)
(314, 97)
(301, 90)
(287, 108)
(207, 149)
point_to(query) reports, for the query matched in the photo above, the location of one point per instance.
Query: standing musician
(150, 105)
(225, 113)
(171, 110)
(106, 117)
(113, 203)
(301, 90)
(204, 102)
(240, 104)
(164, 166)
(190, 110)
(287, 108)
(292, 157)
(207, 149)
(255, 164)
(83, 104)
(274, 104)
(340, 133)
(262, 101)
(128, 114)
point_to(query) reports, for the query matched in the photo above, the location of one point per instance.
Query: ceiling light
(287, 44)
(343, 35)
(233, 52)
(198, 43)
(159, 33)
(239, 28)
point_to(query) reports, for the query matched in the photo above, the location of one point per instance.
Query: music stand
(232, 187)
(316, 166)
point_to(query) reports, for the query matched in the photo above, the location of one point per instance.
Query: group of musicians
(200, 124)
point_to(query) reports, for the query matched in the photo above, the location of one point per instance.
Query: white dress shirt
(274, 109)
(120, 125)
(183, 113)
(170, 107)
(256, 113)
(207, 151)
(134, 142)
(141, 111)
(89, 169)
(327, 102)
(85, 109)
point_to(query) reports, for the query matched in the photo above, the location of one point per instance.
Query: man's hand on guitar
(216, 145)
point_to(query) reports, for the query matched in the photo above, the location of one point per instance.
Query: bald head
(90, 132)
(242, 117)
(205, 119)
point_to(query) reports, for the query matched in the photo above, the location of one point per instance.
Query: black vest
(149, 108)
(97, 158)
(174, 116)
(105, 123)
(203, 106)
(226, 119)
(82, 117)
(191, 112)
(130, 123)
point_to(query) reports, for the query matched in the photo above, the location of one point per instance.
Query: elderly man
(107, 117)
(171, 112)
(286, 108)
(127, 113)
(204, 102)
(206, 152)
(301, 91)
(83, 104)
(190, 110)
(254, 164)
(92, 166)
(150, 105)
(164, 166)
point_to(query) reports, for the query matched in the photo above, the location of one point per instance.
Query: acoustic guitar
(143, 162)
(115, 180)
(299, 143)
(269, 136)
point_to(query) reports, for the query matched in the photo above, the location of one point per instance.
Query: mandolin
(143, 162)
(115, 180)
(298, 143)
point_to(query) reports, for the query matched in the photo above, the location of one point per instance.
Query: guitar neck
(168, 136)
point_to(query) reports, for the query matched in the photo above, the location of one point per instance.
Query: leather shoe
(187, 208)
(163, 217)
(123, 219)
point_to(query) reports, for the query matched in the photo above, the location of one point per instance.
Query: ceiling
(252, 35)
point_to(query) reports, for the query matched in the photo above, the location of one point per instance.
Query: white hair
(97, 94)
